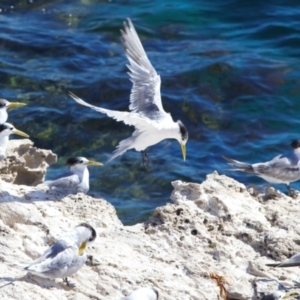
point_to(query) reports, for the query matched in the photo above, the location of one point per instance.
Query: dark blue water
(230, 72)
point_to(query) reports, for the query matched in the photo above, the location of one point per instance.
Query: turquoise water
(230, 72)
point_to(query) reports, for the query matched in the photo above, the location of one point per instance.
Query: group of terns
(152, 125)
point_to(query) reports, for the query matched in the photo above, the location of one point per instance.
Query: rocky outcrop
(25, 164)
(216, 235)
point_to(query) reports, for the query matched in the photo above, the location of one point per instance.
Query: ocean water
(230, 72)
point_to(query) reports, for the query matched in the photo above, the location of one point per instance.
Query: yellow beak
(15, 104)
(21, 133)
(93, 163)
(82, 248)
(183, 150)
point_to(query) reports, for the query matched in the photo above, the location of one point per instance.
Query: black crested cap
(156, 292)
(183, 131)
(3, 103)
(295, 144)
(93, 231)
(4, 126)
(73, 161)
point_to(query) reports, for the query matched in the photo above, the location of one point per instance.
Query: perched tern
(6, 130)
(4, 106)
(152, 124)
(284, 168)
(65, 257)
(294, 261)
(78, 176)
(143, 294)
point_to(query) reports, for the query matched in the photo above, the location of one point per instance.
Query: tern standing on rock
(65, 257)
(284, 168)
(4, 106)
(152, 123)
(78, 176)
(6, 130)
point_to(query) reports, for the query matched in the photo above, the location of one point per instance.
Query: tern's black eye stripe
(295, 144)
(73, 161)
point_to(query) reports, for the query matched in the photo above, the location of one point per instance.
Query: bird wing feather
(129, 118)
(282, 167)
(145, 94)
(57, 265)
(70, 182)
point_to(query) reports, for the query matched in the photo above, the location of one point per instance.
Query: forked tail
(240, 166)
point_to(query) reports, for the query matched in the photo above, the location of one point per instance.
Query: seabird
(146, 293)
(6, 130)
(152, 124)
(65, 257)
(78, 176)
(4, 106)
(284, 168)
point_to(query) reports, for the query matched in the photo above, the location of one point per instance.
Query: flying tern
(4, 106)
(65, 257)
(78, 176)
(6, 130)
(143, 294)
(152, 124)
(284, 168)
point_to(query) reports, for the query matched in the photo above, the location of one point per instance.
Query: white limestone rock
(25, 164)
(216, 227)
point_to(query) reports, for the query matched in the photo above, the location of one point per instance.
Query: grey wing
(145, 95)
(51, 252)
(67, 182)
(283, 167)
(63, 264)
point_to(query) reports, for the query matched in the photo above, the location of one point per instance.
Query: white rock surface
(214, 227)
(25, 164)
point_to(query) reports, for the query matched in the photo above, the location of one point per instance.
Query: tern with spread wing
(65, 257)
(284, 168)
(152, 124)
(4, 106)
(77, 178)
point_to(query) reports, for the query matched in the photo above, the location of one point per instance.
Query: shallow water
(230, 72)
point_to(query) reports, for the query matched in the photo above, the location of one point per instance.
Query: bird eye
(11, 128)
(81, 161)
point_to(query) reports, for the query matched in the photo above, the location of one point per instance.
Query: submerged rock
(216, 236)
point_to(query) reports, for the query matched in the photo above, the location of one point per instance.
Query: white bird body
(65, 257)
(3, 146)
(77, 178)
(152, 124)
(4, 106)
(6, 130)
(143, 294)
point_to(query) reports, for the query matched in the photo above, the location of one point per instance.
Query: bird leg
(68, 283)
(145, 158)
(292, 193)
